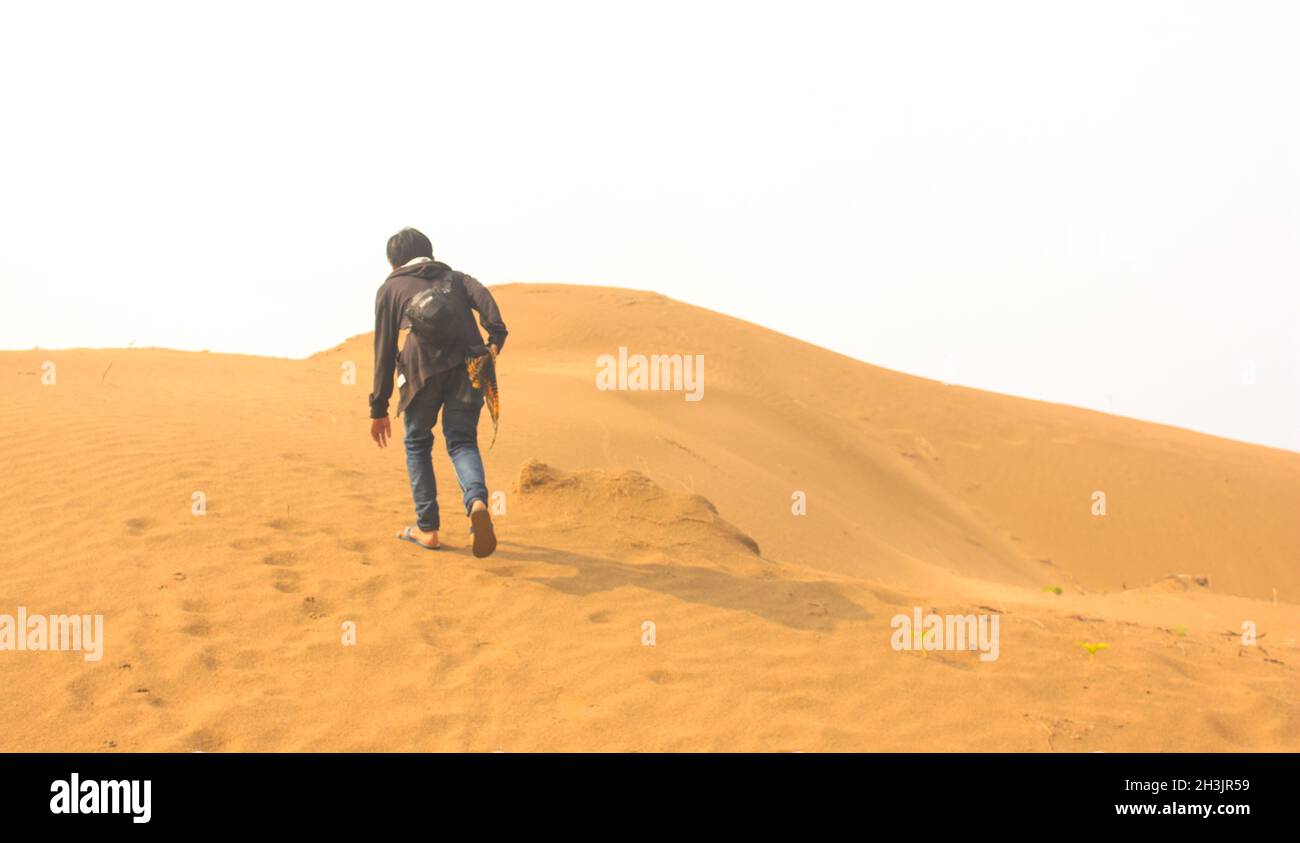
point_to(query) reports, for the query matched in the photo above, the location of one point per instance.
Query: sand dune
(771, 630)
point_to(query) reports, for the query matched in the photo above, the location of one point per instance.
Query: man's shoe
(485, 537)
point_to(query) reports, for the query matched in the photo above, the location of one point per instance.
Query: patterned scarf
(483, 375)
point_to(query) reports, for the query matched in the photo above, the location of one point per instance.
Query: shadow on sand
(811, 605)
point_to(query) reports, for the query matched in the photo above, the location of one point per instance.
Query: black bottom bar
(671, 792)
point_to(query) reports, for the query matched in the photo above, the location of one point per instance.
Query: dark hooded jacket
(417, 362)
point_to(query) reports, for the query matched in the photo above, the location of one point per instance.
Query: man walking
(425, 330)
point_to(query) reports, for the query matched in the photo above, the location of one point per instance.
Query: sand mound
(230, 518)
(1178, 584)
(627, 508)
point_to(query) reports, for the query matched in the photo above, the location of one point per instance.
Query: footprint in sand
(250, 543)
(429, 630)
(286, 581)
(281, 559)
(205, 740)
(81, 692)
(138, 526)
(314, 608)
(208, 658)
(369, 587)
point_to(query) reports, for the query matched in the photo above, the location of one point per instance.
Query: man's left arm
(489, 315)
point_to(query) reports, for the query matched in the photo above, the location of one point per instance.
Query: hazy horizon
(1097, 207)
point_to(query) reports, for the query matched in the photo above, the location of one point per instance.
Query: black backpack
(434, 314)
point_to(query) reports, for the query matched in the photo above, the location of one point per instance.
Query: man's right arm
(386, 324)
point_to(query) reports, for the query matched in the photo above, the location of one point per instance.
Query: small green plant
(1093, 648)
(920, 640)
(1180, 631)
(1055, 589)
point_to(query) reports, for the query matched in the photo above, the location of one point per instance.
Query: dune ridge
(771, 630)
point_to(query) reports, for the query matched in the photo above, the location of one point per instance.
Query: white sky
(1091, 203)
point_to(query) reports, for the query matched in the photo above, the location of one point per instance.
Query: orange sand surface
(772, 631)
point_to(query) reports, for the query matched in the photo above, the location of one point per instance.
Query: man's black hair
(406, 245)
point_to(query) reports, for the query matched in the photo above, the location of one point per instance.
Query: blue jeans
(461, 404)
